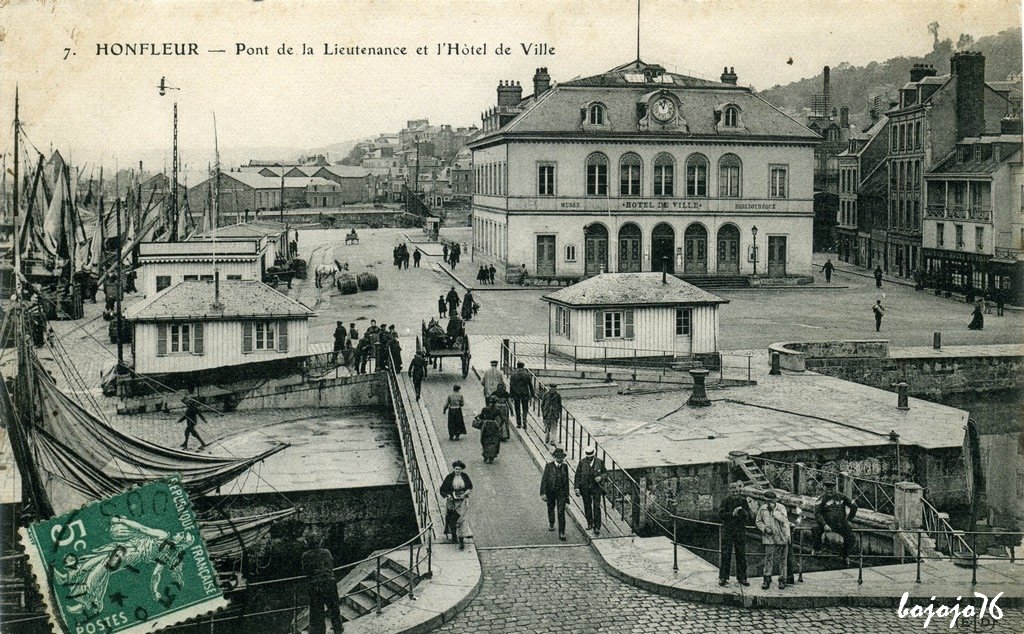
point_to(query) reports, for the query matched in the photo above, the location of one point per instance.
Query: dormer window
(731, 116)
(595, 114)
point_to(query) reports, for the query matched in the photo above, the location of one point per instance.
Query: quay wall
(362, 390)
(928, 373)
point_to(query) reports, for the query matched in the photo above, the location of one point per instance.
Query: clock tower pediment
(658, 111)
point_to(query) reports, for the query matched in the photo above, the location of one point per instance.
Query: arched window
(630, 167)
(729, 176)
(697, 176)
(597, 174)
(664, 175)
(731, 116)
(595, 114)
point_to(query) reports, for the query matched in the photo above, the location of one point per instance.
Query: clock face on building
(663, 109)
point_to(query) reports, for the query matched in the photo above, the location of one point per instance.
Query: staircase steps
(754, 473)
(717, 282)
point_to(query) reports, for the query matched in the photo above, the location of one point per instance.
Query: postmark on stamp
(129, 563)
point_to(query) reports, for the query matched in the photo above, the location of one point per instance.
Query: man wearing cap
(834, 512)
(773, 522)
(418, 370)
(551, 411)
(554, 488)
(590, 473)
(734, 515)
(491, 379)
(521, 387)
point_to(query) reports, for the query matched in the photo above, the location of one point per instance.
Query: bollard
(937, 340)
(699, 396)
(776, 364)
(607, 377)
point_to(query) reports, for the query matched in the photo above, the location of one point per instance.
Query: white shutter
(598, 325)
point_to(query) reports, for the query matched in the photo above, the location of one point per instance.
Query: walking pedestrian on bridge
(554, 488)
(521, 388)
(590, 474)
(455, 489)
(418, 370)
(551, 411)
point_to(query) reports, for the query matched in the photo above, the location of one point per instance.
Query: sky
(101, 109)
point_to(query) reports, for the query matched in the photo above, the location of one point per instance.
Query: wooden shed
(195, 326)
(620, 315)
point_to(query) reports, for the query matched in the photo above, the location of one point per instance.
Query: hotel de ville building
(639, 169)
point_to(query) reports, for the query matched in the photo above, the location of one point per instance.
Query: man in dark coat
(734, 515)
(353, 334)
(467, 306)
(442, 307)
(590, 473)
(551, 411)
(834, 511)
(444, 252)
(452, 298)
(490, 273)
(521, 388)
(418, 370)
(878, 277)
(364, 352)
(396, 350)
(318, 566)
(416, 255)
(827, 269)
(879, 312)
(383, 348)
(554, 488)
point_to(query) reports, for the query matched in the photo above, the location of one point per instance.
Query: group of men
(400, 256)
(833, 513)
(452, 254)
(486, 274)
(588, 484)
(449, 305)
(379, 344)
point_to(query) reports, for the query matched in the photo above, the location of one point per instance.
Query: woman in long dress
(502, 405)
(454, 405)
(977, 318)
(490, 432)
(455, 490)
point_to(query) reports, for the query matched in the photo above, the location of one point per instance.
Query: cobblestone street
(565, 589)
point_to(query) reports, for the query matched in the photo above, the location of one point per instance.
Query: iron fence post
(545, 356)
(574, 358)
(800, 558)
(412, 574)
(295, 611)
(974, 559)
(430, 553)
(675, 546)
(860, 565)
(378, 584)
(919, 556)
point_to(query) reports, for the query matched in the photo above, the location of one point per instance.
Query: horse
(322, 272)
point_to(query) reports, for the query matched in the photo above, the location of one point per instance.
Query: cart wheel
(465, 365)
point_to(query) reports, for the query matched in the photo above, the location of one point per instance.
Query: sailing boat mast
(215, 213)
(15, 240)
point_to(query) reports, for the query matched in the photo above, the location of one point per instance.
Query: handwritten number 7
(67, 51)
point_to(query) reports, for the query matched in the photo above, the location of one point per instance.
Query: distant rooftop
(239, 298)
(634, 289)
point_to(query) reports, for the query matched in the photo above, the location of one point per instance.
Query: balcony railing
(959, 211)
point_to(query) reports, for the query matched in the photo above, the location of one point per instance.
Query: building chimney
(920, 71)
(844, 118)
(1011, 125)
(729, 76)
(827, 87)
(510, 93)
(969, 72)
(541, 82)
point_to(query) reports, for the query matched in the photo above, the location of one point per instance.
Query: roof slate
(632, 289)
(239, 298)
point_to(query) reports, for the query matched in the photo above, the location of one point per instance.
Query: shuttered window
(161, 340)
(613, 324)
(197, 339)
(247, 336)
(627, 324)
(598, 325)
(282, 336)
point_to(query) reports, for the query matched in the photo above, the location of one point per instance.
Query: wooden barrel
(367, 281)
(347, 283)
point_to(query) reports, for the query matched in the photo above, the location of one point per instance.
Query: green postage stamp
(134, 562)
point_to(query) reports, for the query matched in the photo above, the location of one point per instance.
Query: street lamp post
(753, 231)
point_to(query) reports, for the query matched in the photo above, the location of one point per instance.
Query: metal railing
(582, 358)
(873, 495)
(636, 507)
(417, 486)
(937, 527)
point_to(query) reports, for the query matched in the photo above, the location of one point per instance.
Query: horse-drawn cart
(435, 345)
